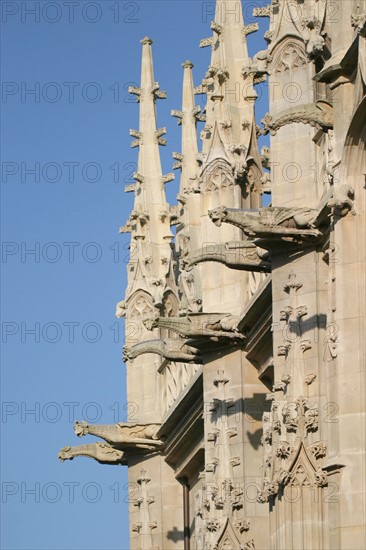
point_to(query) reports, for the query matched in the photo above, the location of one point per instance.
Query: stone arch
(138, 308)
(300, 499)
(140, 305)
(290, 75)
(289, 57)
(229, 539)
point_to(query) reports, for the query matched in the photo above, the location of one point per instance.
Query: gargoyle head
(150, 324)
(81, 428)
(121, 309)
(65, 454)
(127, 355)
(218, 215)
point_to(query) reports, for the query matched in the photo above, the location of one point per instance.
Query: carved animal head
(218, 215)
(81, 428)
(150, 324)
(121, 309)
(127, 354)
(65, 454)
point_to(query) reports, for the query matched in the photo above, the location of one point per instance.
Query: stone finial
(146, 40)
(187, 64)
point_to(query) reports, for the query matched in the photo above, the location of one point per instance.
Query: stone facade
(245, 332)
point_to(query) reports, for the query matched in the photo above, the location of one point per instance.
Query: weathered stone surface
(247, 385)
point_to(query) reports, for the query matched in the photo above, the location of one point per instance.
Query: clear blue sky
(79, 57)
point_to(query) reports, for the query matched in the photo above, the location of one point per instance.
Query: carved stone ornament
(173, 349)
(102, 452)
(121, 309)
(218, 175)
(286, 379)
(225, 535)
(200, 325)
(319, 449)
(136, 223)
(125, 436)
(212, 525)
(143, 502)
(313, 36)
(289, 59)
(140, 306)
(237, 153)
(242, 525)
(292, 461)
(321, 478)
(265, 11)
(205, 42)
(249, 29)
(283, 450)
(341, 201)
(234, 254)
(271, 224)
(266, 157)
(310, 379)
(221, 74)
(259, 67)
(358, 22)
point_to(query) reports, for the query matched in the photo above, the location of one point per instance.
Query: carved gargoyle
(173, 349)
(271, 223)
(102, 452)
(126, 437)
(259, 65)
(234, 254)
(200, 325)
(342, 200)
(313, 36)
(121, 309)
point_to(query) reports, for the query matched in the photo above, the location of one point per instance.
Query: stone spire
(188, 233)
(149, 165)
(149, 222)
(189, 116)
(230, 92)
(151, 290)
(230, 130)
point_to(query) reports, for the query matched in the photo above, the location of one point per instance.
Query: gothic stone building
(245, 332)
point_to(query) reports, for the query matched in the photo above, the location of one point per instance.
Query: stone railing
(254, 282)
(175, 377)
